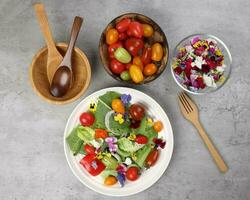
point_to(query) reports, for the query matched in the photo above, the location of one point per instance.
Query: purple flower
(126, 98)
(121, 179)
(111, 140)
(111, 143)
(194, 40)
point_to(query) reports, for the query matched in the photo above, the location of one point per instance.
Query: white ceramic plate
(148, 177)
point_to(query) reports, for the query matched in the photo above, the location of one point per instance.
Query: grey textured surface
(32, 161)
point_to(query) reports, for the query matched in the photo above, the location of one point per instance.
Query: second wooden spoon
(54, 57)
(63, 78)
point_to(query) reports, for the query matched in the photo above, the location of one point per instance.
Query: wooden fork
(190, 112)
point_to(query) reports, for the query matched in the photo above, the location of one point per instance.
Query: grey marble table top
(32, 160)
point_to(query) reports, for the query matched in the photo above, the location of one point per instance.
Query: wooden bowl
(158, 36)
(81, 71)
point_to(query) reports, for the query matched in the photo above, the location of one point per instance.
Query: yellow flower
(150, 121)
(107, 154)
(218, 52)
(92, 107)
(132, 136)
(119, 118)
(222, 79)
(205, 44)
(133, 156)
(197, 44)
(182, 49)
(99, 156)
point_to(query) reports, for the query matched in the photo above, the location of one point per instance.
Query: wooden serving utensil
(190, 112)
(63, 77)
(54, 57)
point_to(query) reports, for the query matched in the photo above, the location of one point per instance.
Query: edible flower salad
(199, 64)
(117, 139)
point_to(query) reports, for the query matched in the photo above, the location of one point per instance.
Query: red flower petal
(178, 70)
(200, 82)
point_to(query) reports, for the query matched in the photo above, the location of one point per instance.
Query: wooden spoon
(63, 77)
(54, 57)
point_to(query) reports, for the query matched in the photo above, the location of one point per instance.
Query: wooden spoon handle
(44, 25)
(212, 149)
(74, 33)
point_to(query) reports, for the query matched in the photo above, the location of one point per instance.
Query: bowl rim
(77, 96)
(213, 37)
(115, 76)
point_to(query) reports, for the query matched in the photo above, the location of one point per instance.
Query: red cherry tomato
(122, 36)
(133, 45)
(132, 173)
(129, 33)
(141, 139)
(101, 133)
(137, 112)
(152, 158)
(135, 124)
(146, 55)
(136, 29)
(113, 47)
(123, 25)
(89, 149)
(87, 119)
(117, 67)
(128, 65)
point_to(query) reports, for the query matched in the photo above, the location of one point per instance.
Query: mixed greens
(117, 139)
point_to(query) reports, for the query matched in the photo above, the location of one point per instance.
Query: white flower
(209, 81)
(189, 48)
(198, 62)
(128, 161)
(221, 68)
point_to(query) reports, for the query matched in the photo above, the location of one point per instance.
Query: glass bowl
(183, 83)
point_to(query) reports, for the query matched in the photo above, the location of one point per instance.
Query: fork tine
(183, 103)
(187, 100)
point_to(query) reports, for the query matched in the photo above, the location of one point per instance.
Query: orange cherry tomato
(110, 180)
(112, 36)
(149, 69)
(158, 126)
(118, 106)
(138, 62)
(157, 52)
(147, 30)
(152, 158)
(136, 73)
(101, 133)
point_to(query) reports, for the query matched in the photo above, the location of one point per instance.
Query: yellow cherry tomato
(138, 62)
(158, 126)
(110, 180)
(147, 30)
(157, 52)
(112, 36)
(136, 74)
(118, 106)
(149, 69)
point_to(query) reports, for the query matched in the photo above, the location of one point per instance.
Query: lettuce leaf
(126, 145)
(147, 130)
(74, 142)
